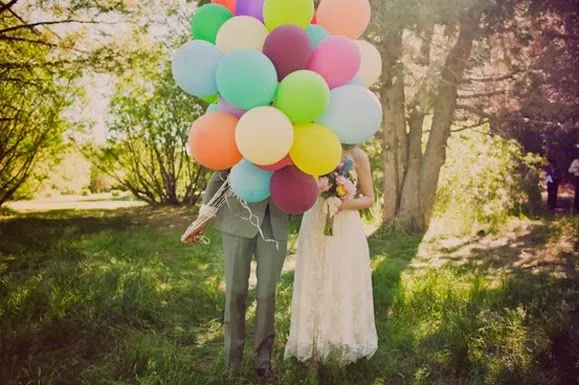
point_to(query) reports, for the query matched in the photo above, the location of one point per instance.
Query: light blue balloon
(213, 108)
(357, 81)
(249, 182)
(194, 67)
(247, 79)
(354, 114)
(317, 34)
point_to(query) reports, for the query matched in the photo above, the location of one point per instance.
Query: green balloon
(207, 21)
(210, 99)
(303, 96)
(281, 12)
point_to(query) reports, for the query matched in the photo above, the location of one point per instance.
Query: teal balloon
(250, 183)
(207, 21)
(317, 34)
(194, 67)
(212, 108)
(354, 114)
(247, 79)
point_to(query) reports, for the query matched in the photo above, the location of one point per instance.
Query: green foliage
(32, 97)
(485, 180)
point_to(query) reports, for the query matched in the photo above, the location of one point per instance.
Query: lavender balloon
(223, 106)
(253, 8)
(289, 48)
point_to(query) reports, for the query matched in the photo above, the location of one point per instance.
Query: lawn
(112, 297)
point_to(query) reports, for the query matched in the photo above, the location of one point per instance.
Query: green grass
(113, 298)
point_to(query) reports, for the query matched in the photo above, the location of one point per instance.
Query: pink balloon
(293, 191)
(286, 161)
(289, 48)
(337, 59)
(223, 106)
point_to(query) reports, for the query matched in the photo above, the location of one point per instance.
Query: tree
(146, 151)
(38, 72)
(529, 91)
(440, 59)
(419, 88)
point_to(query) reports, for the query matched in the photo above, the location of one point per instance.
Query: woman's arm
(366, 200)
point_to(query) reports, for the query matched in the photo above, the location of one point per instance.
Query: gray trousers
(238, 252)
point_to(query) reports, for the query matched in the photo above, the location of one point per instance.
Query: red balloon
(289, 48)
(286, 161)
(293, 191)
(229, 4)
(314, 19)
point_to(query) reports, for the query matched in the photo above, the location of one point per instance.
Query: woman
(332, 308)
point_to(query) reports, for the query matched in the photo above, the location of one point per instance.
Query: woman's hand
(346, 205)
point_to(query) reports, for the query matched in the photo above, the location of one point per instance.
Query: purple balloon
(293, 191)
(289, 48)
(228, 108)
(253, 8)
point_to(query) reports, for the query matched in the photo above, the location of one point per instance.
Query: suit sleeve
(213, 185)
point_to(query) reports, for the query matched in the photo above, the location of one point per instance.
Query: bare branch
(5, 7)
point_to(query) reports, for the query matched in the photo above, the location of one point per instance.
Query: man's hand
(195, 236)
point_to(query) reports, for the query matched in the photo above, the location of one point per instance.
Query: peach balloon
(212, 141)
(229, 4)
(344, 17)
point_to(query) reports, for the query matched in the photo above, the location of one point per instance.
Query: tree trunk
(411, 177)
(445, 107)
(394, 131)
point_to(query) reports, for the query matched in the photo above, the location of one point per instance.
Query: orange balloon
(212, 141)
(229, 4)
(344, 17)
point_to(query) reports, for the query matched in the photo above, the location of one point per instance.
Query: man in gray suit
(242, 241)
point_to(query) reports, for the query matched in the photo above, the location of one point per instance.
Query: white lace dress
(332, 318)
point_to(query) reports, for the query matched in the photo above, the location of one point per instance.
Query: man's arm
(213, 185)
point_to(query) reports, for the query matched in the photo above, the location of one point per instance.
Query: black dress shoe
(266, 376)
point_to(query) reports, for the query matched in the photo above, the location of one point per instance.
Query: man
(242, 241)
(553, 180)
(574, 169)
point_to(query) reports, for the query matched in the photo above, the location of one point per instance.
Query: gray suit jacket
(232, 217)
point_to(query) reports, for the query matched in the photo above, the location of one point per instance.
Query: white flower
(332, 205)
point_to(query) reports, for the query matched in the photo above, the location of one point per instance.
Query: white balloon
(264, 135)
(241, 32)
(371, 66)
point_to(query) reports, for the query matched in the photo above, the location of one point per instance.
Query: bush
(486, 180)
(99, 181)
(116, 193)
(85, 192)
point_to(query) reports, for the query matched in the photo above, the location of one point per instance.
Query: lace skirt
(332, 318)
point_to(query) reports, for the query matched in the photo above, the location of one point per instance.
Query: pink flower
(350, 189)
(324, 184)
(341, 180)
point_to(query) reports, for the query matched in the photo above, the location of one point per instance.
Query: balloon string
(254, 220)
(222, 197)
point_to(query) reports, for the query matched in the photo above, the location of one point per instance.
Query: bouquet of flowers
(338, 186)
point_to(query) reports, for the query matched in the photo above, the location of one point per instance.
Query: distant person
(574, 169)
(553, 180)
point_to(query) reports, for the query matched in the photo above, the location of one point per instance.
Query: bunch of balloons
(290, 84)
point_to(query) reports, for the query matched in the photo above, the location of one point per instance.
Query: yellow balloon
(371, 66)
(281, 12)
(264, 135)
(316, 150)
(241, 32)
